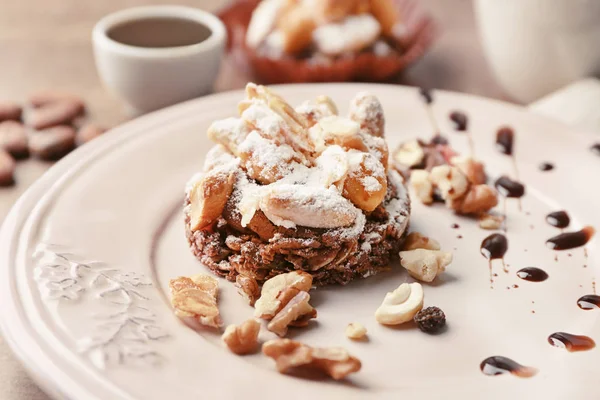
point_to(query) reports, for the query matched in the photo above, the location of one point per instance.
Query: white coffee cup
(149, 78)
(538, 46)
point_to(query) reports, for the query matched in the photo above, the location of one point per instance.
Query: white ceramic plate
(87, 253)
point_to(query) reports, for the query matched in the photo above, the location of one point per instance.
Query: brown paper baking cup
(420, 31)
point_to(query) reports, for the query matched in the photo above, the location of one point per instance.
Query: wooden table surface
(46, 44)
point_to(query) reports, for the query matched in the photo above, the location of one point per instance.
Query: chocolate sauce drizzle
(571, 342)
(532, 274)
(494, 247)
(589, 302)
(460, 120)
(426, 95)
(546, 166)
(505, 140)
(559, 219)
(571, 240)
(498, 365)
(509, 188)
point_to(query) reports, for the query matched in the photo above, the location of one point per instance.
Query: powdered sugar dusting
(349, 35)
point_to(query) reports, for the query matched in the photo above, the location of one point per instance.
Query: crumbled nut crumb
(356, 331)
(289, 354)
(242, 339)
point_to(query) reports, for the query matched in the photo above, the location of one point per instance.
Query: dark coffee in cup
(159, 32)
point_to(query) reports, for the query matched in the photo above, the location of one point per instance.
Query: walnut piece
(195, 298)
(296, 312)
(269, 303)
(242, 339)
(415, 240)
(289, 354)
(356, 331)
(425, 265)
(284, 300)
(247, 288)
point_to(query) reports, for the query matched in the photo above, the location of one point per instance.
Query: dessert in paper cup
(327, 40)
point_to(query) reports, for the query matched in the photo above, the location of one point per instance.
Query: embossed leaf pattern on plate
(127, 330)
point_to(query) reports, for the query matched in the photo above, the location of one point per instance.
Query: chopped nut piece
(296, 309)
(196, 298)
(335, 130)
(451, 183)
(419, 181)
(356, 331)
(425, 265)
(291, 205)
(472, 169)
(430, 319)
(209, 196)
(242, 339)
(289, 354)
(490, 221)
(366, 183)
(366, 110)
(479, 198)
(247, 288)
(401, 305)
(269, 303)
(410, 154)
(415, 240)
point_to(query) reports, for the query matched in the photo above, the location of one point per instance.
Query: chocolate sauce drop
(571, 342)
(571, 240)
(596, 148)
(559, 219)
(504, 140)
(460, 120)
(589, 302)
(426, 95)
(509, 188)
(532, 274)
(494, 246)
(439, 139)
(455, 226)
(459, 237)
(499, 365)
(546, 166)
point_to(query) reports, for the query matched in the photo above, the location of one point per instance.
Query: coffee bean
(10, 111)
(52, 143)
(13, 139)
(88, 132)
(45, 97)
(52, 114)
(7, 169)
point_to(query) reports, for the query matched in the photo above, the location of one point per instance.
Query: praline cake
(297, 189)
